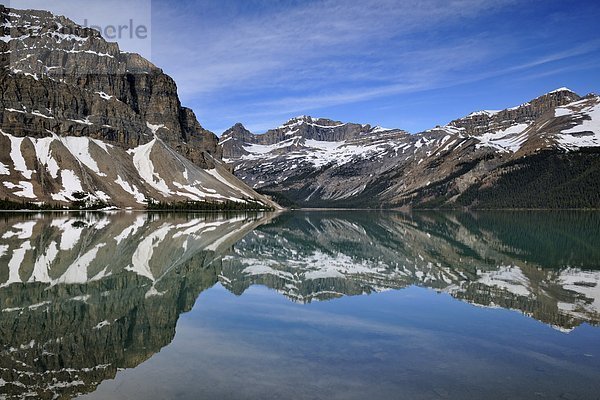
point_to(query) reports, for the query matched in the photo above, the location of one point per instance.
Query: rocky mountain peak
(477, 123)
(308, 120)
(31, 34)
(558, 97)
(561, 89)
(293, 135)
(92, 88)
(236, 132)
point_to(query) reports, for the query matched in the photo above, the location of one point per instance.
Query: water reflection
(546, 265)
(85, 295)
(82, 296)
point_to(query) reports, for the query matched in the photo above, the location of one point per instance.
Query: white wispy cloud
(304, 45)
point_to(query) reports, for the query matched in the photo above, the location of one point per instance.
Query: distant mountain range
(81, 120)
(542, 154)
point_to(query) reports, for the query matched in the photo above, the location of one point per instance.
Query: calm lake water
(300, 305)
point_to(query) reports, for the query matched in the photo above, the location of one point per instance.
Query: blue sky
(406, 64)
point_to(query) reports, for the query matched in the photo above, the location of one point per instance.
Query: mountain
(542, 154)
(78, 115)
(290, 136)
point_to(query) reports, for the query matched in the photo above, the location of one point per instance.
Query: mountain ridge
(447, 166)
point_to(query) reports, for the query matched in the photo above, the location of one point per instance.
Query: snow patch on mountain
(70, 233)
(4, 169)
(23, 230)
(131, 230)
(15, 262)
(586, 133)
(509, 278)
(140, 261)
(221, 178)
(26, 189)
(317, 152)
(77, 273)
(154, 128)
(15, 153)
(71, 184)
(80, 148)
(131, 189)
(562, 89)
(487, 113)
(44, 155)
(379, 129)
(508, 140)
(585, 283)
(562, 112)
(145, 167)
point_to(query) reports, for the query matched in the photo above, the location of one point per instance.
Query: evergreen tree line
(81, 203)
(229, 205)
(551, 181)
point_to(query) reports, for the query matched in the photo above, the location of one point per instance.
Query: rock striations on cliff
(78, 115)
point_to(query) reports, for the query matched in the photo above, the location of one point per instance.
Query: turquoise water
(301, 305)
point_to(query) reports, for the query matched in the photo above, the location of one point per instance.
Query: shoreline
(119, 210)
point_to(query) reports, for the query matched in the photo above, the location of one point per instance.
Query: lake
(300, 305)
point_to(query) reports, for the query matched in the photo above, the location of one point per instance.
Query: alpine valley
(80, 120)
(542, 154)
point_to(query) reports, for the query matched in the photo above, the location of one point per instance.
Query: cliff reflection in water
(82, 296)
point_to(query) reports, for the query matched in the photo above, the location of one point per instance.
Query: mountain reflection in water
(85, 295)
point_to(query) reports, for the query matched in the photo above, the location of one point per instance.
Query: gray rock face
(463, 164)
(56, 73)
(233, 140)
(478, 123)
(76, 114)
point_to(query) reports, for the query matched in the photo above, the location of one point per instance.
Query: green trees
(546, 180)
(248, 205)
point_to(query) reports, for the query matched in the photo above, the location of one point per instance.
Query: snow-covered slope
(55, 168)
(584, 116)
(390, 168)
